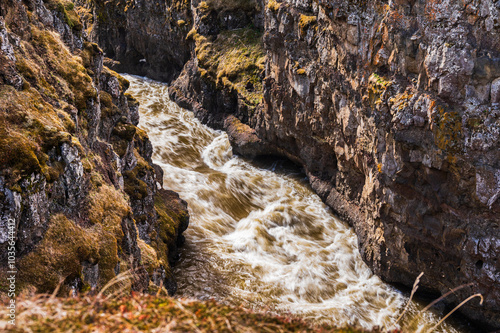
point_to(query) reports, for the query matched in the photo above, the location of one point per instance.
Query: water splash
(258, 234)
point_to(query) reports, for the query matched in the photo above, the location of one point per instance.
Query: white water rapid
(258, 235)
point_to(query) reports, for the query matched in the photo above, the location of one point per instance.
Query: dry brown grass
(145, 313)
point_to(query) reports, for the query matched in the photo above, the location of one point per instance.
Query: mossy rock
(107, 208)
(149, 257)
(305, 22)
(235, 60)
(59, 255)
(124, 83)
(135, 187)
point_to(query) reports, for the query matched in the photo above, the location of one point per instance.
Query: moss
(124, 83)
(32, 128)
(55, 171)
(149, 257)
(66, 245)
(108, 108)
(69, 14)
(131, 100)
(235, 60)
(181, 23)
(273, 5)
(125, 131)
(108, 207)
(135, 187)
(89, 53)
(108, 258)
(305, 22)
(70, 74)
(168, 226)
(122, 135)
(59, 255)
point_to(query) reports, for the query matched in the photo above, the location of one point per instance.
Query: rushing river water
(258, 235)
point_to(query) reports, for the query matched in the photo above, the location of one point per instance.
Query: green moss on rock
(235, 60)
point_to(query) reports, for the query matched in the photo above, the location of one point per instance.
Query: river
(258, 235)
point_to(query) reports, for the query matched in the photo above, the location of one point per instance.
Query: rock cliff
(393, 109)
(76, 174)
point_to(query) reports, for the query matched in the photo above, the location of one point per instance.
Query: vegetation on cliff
(76, 173)
(234, 60)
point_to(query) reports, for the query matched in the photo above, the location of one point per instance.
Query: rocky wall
(76, 173)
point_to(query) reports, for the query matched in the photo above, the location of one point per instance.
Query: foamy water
(258, 235)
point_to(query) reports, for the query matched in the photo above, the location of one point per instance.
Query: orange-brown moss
(108, 207)
(149, 257)
(305, 22)
(59, 255)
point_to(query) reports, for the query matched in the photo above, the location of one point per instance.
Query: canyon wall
(393, 109)
(76, 175)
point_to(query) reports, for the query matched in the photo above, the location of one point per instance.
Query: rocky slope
(76, 173)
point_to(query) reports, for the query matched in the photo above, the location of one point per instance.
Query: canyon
(391, 107)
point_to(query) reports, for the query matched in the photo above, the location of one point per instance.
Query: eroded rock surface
(76, 173)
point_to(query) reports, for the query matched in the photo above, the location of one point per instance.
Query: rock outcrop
(142, 37)
(76, 176)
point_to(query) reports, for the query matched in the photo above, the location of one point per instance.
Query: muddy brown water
(259, 236)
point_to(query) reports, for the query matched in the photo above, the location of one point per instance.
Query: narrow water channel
(258, 235)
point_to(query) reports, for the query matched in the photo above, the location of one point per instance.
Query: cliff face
(76, 173)
(393, 110)
(142, 37)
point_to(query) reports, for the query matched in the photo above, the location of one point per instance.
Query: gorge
(391, 108)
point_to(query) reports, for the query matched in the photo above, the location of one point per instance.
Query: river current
(258, 235)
